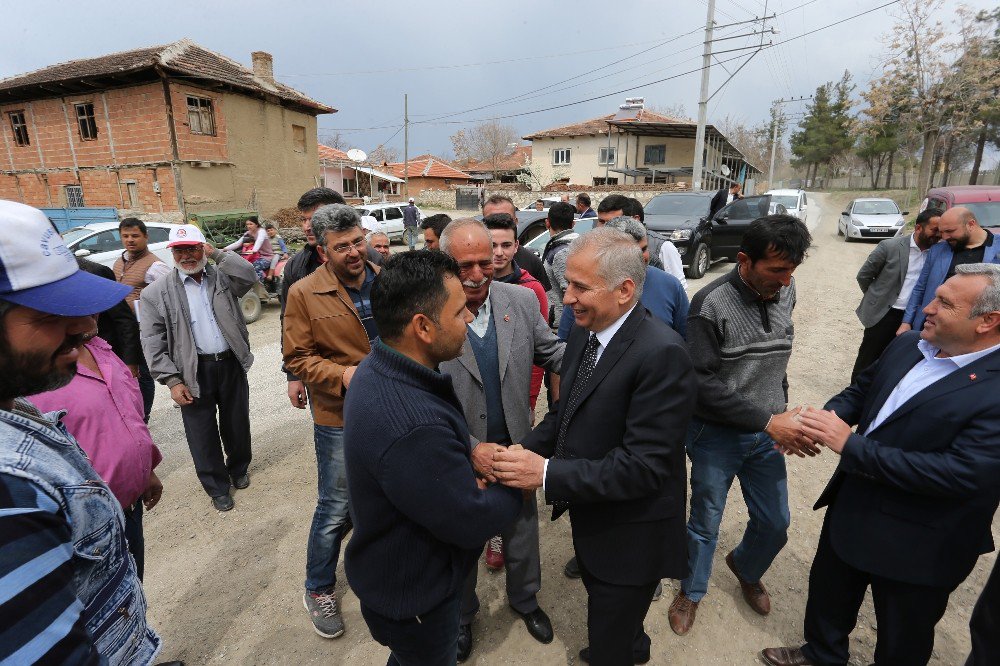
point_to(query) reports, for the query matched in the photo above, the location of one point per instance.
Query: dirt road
(226, 588)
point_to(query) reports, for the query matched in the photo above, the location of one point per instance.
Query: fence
(900, 181)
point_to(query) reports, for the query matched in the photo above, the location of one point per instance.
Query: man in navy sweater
(420, 515)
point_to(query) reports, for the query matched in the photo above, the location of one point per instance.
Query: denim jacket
(38, 448)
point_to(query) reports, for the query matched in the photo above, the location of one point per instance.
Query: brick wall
(190, 146)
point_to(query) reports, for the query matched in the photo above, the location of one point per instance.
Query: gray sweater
(740, 346)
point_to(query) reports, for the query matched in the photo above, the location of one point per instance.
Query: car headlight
(680, 235)
(900, 222)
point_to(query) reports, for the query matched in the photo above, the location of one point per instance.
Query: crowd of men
(421, 372)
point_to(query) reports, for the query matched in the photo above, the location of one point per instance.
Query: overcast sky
(450, 57)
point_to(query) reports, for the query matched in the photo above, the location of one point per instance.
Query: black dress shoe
(539, 625)
(464, 642)
(637, 658)
(223, 503)
(242, 482)
(572, 569)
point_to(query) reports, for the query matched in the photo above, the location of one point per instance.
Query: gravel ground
(225, 588)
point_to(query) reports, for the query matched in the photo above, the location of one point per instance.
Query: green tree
(826, 131)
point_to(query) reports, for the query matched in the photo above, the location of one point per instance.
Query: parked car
(982, 200)
(102, 243)
(537, 244)
(683, 218)
(871, 218)
(546, 203)
(389, 217)
(795, 202)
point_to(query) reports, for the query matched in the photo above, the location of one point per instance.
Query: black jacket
(118, 326)
(623, 473)
(719, 200)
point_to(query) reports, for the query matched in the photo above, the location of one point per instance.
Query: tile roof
(600, 125)
(328, 153)
(513, 162)
(182, 58)
(427, 166)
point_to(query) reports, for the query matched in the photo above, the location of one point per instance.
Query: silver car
(387, 218)
(871, 218)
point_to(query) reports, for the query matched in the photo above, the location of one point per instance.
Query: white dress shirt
(922, 375)
(672, 262)
(913, 268)
(207, 335)
(604, 337)
(481, 321)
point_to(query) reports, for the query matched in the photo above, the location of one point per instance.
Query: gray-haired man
(324, 357)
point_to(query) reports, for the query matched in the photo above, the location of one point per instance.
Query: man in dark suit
(913, 498)
(887, 278)
(612, 450)
(723, 197)
(985, 623)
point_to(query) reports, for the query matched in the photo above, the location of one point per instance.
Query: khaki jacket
(323, 336)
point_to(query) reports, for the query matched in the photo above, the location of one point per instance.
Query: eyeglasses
(344, 248)
(187, 249)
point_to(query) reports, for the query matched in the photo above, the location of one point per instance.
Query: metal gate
(65, 219)
(467, 198)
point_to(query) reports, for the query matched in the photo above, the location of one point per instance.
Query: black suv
(683, 218)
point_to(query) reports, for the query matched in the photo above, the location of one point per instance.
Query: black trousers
(134, 537)
(217, 420)
(985, 623)
(905, 613)
(147, 387)
(429, 640)
(615, 614)
(876, 339)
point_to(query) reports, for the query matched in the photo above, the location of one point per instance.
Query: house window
(605, 181)
(74, 196)
(201, 119)
(19, 127)
(132, 188)
(607, 156)
(655, 154)
(350, 185)
(85, 119)
(560, 156)
(299, 138)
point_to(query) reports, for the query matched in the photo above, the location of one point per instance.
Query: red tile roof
(427, 166)
(182, 58)
(333, 154)
(600, 125)
(512, 162)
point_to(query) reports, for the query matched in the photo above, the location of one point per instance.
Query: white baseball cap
(185, 234)
(38, 271)
(411, 199)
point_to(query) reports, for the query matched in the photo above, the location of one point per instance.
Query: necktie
(583, 374)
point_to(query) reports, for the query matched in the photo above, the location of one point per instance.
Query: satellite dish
(356, 155)
(725, 169)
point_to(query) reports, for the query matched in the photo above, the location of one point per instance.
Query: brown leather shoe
(784, 656)
(681, 614)
(755, 594)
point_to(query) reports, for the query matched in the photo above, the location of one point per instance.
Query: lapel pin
(972, 376)
(506, 317)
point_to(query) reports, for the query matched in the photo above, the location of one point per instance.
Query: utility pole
(406, 146)
(699, 137)
(775, 120)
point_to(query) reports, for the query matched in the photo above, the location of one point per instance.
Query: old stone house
(160, 132)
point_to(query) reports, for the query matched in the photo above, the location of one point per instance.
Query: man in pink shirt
(103, 411)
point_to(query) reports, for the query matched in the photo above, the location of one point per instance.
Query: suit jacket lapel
(904, 261)
(468, 357)
(897, 369)
(504, 326)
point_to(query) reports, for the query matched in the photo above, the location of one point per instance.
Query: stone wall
(445, 199)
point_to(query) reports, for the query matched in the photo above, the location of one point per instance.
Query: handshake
(804, 430)
(512, 466)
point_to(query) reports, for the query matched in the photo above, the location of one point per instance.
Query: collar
(327, 281)
(514, 277)
(127, 256)
(187, 276)
(913, 243)
(392, 363)
(930, 354)
(604, 336)
(484, 309)
(748, 293)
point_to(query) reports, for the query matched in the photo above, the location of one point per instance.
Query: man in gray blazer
(887, 278)
(492, 379)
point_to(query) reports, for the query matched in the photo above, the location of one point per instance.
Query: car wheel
(847, 237)
(840, 232)
(251, 307)
(701, 258)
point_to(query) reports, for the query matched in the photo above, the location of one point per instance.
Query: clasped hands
(512, 466)
(803, 430)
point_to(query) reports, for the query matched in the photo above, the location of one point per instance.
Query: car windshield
(875, 208)
(987, 212)
(580, 226)
(786, 200)
(678, 204)
(73, 235)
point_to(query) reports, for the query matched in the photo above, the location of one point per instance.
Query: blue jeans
(328, 523)
(430, 640)
(717, 455)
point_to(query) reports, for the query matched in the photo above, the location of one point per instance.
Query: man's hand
(786, 430)
(826, 428)
(151, 496)
(482, 459)
(903, 328)
(181, 395)
(297, 394)
(134, 369)
(519, 468)
(209, 249)
(349, 375)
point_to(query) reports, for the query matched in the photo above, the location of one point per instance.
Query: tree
(334, 140)
(878, 130)
(754, 141)
(827, 130)
(491, 142)
(981, 61)
(383, 154)
(675, 110)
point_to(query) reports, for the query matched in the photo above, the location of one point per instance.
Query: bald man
(965, 242)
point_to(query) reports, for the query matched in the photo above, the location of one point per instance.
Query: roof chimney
(263, 66)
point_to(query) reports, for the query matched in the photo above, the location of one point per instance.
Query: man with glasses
(196, 343)
(324, 358)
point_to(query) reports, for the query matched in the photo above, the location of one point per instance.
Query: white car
(102, 244)
(388, 218)
(871, 218)
(795, 202)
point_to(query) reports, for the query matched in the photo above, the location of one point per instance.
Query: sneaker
(324, 613)
(494, 553)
